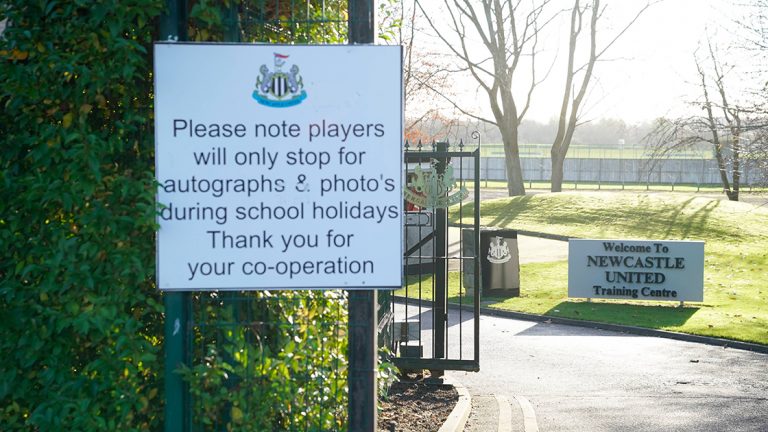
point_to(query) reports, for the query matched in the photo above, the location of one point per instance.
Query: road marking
(505, 414)
(529, 415)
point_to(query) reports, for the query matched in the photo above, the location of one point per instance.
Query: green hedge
(81, 322)
(80, 318)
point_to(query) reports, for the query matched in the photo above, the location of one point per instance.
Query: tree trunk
(557, 173)
(515, 183)
(735, 158)
(723, 171)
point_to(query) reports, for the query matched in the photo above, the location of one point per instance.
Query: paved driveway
(586, 380)
(555, 378)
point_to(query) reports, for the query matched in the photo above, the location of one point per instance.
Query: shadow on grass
(648, 316)
(515, 207)
(505, 210)
(692, 224)
(639, 215)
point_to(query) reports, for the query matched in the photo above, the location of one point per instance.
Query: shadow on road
(649, 316)
(424, 314)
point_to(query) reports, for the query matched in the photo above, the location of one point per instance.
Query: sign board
(279, 167)
(638, 270)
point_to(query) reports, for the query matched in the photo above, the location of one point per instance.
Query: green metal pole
(362, 352)
(441, 267)
(177, 416)
(177, 413)
(232, 23)
(172, 22)
(363, 325)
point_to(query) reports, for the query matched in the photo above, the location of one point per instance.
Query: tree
(510, 37)
(509, 33)
(425, 120)
(754, 25)
(754, 40)
(723, 125)
(422, 72)
(577, 79)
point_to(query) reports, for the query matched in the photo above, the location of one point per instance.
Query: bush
(80, 318)
(268, 361)
(81, 324)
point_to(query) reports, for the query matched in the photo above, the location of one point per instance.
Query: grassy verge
(736, 258)
(614, 186)
(423, 288)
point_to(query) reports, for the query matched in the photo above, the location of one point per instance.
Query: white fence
(642, 171)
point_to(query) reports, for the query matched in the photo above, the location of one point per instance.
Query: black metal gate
(435, 315)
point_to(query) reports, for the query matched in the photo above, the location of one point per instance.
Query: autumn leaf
(67, 120)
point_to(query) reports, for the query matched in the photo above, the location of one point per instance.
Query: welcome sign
(639, 270)
(278, 166)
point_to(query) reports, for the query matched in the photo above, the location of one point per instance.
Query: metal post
(231, 23)
(478, 275)
(173, 22)
(362, 360)
(362, 350)
(177, 412)
(361, 21)
(176, 390)
(599, 174)
(441, 266)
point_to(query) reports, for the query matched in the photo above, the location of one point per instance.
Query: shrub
(81, 324)
(80, 318)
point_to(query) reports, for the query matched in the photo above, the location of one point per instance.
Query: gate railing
(434, 317)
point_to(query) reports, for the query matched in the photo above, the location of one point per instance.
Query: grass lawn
(638, 187)
(735, 268)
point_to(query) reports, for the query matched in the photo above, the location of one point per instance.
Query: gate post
(441, 270)
(362, 321)
(177, 413)
(361, 378)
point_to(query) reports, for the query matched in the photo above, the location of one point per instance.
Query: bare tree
(722, 125)
(755, 43)
(422, 71)
(508, 30)
(755, 24)
(577, 78)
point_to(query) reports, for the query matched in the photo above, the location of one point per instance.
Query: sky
(650, 71)
(659, 74)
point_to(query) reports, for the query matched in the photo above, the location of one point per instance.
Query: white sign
(640, 270)
(279, 167)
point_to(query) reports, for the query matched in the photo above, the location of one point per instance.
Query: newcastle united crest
(277, 88)
(498, 252)
(426, 188)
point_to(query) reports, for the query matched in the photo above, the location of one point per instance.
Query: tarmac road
(556, 378)
(586, 380)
